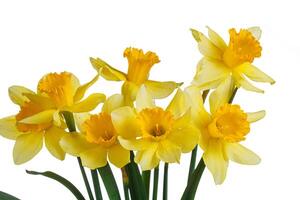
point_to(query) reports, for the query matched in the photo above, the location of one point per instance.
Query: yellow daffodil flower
(40, 118)
(222, 130)
(98, 138)
(139, 66)
(156, 134)
(233, 60)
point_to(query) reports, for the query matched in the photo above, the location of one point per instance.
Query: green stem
(146, 179)
(190, 190)
(125, 183)
(233, 95)
(109, 182)
(126, 188)
(192, 162)
(69, 118)
(165, 187)
(96, 182)
(155, 183)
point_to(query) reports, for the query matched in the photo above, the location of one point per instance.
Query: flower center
(139, 64)
(100, 130)
(59, 87)
(27, 110)
(243, 47)
(229, 123)
(155, 123)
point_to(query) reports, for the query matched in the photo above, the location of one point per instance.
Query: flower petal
(255, 74)
(83, 88)
(240, 154)
(52, 138)
(241, 81)
(80, 118)
(215, 161)
(88, 104)
(42, 101)
(179, 104)
(168, 152)
(147, 158)
(206, 47)
(159, 90)
(129, 91)
(144, 99)
(75, 143)
(39, 118)
(118, 156)
(107, 71)
(255, 116)
(8, 128)
(125, 122)
(134, 144)
(94, 158)
(216, 39)
(27, 146)
(113, 102)
(256, 31)
(16, 94)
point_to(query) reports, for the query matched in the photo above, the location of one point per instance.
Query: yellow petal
(221, 95)
(206, 47)
(75, 143)
(147, 158)
(256, 31)
(179, 104)
(125, 122)
(27, 146)
(52, 138)
(129, 91)
(39, 118)
(8, 128)
(94, 158)
(168, 151)
(118, 156)
(215, 161)
(80, 118)
(134, 144)
(16, 94)
(113, 102)
(241, 154)
(106, 71)
(42, 101)
(216, 39)
(241, 81)
(255, 116)
(159, 90)
(83, 88)
(144, 99)
(255, 74)
(88, 104)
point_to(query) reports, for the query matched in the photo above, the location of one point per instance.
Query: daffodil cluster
(131, 131)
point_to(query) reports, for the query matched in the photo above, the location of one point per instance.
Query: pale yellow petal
(240, 154)
(118, 156)
(39, 118)
(179, 104)
(27, 146)
(144, 99)
(107, 71)
(159, 90)
(241, 81)
(79, 94)
(134, 144)
(125, 122)
(74, 144)
(113, 102)
(168, 152)
(255, 74)
(129, 91)
(256, 31)
(88, 104)
(80, 118)
(147, 159)
(8, 128)
(215, 161)
(16, 94)
(94, 158)
(216, 39)
(42, 101)
(52, 138)
(206, 47)
(255, 116)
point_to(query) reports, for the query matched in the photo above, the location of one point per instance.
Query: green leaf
(61, 180)
(109, 182)
(5, 196)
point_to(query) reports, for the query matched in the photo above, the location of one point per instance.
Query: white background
(37, 37)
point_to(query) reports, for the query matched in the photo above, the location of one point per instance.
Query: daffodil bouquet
(132, 132)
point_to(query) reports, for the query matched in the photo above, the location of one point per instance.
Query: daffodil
(98, 138)
(139, 66)
(40, 114)
(234, 60)
(222, 130)
(156, 134)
